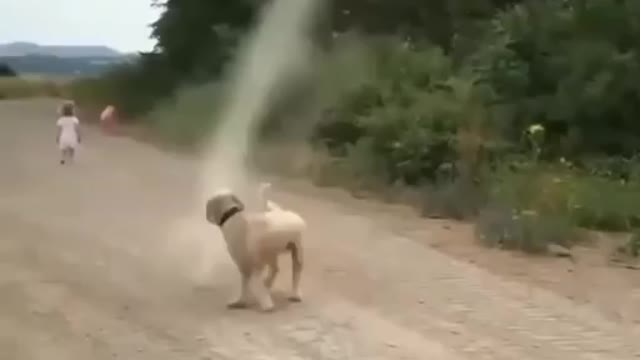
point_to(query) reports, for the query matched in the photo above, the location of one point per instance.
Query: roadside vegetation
(521, 116)
(16, 86)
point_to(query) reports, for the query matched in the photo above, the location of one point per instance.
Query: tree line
(570, 66)
(520, 112)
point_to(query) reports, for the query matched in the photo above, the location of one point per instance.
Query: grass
(604, 204)
(527, 231)
(548, 205)
(29, 87)
(527, 210)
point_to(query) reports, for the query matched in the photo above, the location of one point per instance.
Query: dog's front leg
(261, 292)
(242, 301)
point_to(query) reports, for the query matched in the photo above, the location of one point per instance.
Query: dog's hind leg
(296, 271)
(242, 301)
(273, 270)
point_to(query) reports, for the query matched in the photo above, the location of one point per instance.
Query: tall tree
(433, 20)
(7, 71)
(194, 33)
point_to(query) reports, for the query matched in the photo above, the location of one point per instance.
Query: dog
(255, 239)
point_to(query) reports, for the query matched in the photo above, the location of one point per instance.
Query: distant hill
(67, 66)
(29, 58)
(63, 51)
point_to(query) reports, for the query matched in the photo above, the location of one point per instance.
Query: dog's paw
(236, 305)
(268, 284)
(267, 305)
(295, 298)
(268, 309)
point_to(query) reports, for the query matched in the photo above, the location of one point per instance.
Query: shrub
(570, 66)
(528, 211)
(527, 231)
(411, 113)
(460, 199)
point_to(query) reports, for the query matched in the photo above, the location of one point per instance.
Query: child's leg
(65, 155)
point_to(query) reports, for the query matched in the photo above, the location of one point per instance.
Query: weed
(527, 231)
(460, 199)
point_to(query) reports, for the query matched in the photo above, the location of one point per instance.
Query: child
(68, 136)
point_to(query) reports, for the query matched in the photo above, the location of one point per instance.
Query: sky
(120, 24)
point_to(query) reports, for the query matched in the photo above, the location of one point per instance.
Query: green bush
(570, 66)
(460, 199)
(409, 112)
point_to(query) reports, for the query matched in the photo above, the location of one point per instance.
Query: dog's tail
(268, 205)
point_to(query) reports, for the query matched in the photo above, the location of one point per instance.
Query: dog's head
(221, 206)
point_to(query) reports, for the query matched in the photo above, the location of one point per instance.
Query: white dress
(68, 134)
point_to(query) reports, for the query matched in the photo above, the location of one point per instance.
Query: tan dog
(255, 240)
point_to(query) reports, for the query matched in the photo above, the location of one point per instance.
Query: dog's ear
(218, 205)
(239, 204)
(211, 213)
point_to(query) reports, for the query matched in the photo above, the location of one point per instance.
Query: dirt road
(107, 259)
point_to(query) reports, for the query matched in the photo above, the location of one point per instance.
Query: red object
(109, 120)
